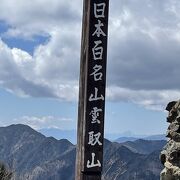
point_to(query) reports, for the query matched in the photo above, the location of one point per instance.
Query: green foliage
(5, 174)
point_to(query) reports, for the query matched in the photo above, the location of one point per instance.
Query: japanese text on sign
(96, 96)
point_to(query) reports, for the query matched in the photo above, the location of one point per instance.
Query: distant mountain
(153, 137)
(120, 163)
(60, 134)
(142, 146)
(114, 136)
(32, 156)
(71, 135)
(125, 139)
(156, 137)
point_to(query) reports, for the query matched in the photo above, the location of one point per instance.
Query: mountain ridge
(121, 137)
(32, 156)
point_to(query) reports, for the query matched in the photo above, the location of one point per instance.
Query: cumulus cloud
(48, 72)
(38, 16)
(44, 122)
(37, 76)
(143, 60)
(144, 50)
(151, 99)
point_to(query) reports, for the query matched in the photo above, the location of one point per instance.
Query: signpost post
(89, 157)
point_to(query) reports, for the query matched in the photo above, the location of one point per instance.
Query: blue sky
(39, 63)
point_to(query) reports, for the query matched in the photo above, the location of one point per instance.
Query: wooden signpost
(89, 158)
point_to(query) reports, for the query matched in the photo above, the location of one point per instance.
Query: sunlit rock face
(170, 155)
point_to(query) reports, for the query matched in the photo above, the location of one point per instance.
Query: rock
(170, 105)
(170, 155)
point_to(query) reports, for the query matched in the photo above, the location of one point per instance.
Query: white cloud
(144, 46)
(151, 99)
(39, 75)
(48, 72)
(38, 16)
(45, 122)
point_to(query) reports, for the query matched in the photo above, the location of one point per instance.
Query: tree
(5, 174)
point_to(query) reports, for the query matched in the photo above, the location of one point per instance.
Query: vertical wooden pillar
(89, 157)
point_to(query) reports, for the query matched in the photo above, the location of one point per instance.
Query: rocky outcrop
(170, 156)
